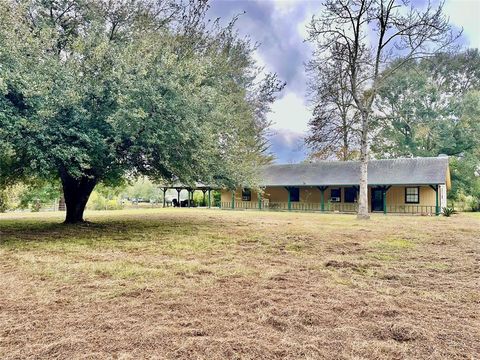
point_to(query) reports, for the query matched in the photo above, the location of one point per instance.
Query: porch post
(384, 195)
(289, 200)
(322, 200)
(233, 199)
(259, 195)
(437, 207)
(209, 199)
(178, 196)
(384, 189)
(164, 200)
(204, 199)
(322, 196)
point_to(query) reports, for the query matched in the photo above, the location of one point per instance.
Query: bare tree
(367, 36)
(334, 125)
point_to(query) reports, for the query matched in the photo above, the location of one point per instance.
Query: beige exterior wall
(395, 196)
(227, 196)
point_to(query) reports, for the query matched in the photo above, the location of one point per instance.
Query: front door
(377, 200)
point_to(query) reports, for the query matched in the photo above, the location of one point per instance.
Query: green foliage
(198, 198)
(98, 201)
(217, 197)
(3, 202)
(143, 188)
(426, 115)
(432, 108)
(10, 196)
(448, 211)
(95, 91)
(36, 195)
(474, 204)
(465, 172)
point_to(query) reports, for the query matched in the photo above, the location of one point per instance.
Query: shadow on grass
(27, 231)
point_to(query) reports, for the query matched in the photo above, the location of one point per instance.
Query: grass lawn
(210, 284)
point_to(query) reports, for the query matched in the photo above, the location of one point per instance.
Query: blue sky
(279, 27)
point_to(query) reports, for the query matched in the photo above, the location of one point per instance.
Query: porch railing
(293, 206)
(327, 207)
(412, 209)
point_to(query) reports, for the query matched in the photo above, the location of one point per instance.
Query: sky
(279, 26)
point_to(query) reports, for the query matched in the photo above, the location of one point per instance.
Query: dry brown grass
(213, 284)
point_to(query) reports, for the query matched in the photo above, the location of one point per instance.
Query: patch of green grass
(393, 244)
(475, 215)
(122, 270)
(437, 266)
(295, 247)
(343, 280)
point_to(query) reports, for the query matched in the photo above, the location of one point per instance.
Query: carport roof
(412, 171)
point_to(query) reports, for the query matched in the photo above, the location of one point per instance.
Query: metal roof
(179, 185)
(413, 171)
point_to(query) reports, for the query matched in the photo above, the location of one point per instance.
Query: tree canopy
(96, 91)
(433, 108)
(334, 126)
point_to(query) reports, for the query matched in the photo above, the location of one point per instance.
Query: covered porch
(395, 199)
(177, 202)
(397, 186)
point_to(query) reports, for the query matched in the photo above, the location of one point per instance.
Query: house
(415, 185)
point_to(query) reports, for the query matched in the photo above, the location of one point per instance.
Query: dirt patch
(405, 332)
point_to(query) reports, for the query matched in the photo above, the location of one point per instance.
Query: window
(246, 195)
(412, 195)
(336, 195)
(294, 194)
(350, 194)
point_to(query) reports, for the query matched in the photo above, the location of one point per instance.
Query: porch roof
(413, 171)
(195, 186)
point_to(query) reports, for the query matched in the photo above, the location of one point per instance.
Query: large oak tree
(94, 91)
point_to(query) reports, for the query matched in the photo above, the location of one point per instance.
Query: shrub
(3, 202)
(198, 198)
(448, 211)
(474, 204)
(36, 195)
(99, 202)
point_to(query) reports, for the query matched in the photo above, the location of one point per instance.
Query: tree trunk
(363, 195)
(76, 193)
(345, 137)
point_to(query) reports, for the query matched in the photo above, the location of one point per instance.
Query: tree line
(387, 80)
(430, 108)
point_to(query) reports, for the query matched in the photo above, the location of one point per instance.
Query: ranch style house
(410, 185)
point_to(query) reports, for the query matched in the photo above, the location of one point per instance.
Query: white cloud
(286, 6)
(290, 112)
(287, 145)
(302, 26)
(466, 14)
